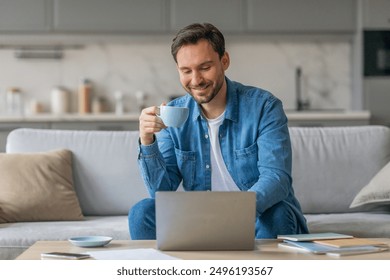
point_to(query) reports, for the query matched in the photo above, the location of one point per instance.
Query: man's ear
(225, 61)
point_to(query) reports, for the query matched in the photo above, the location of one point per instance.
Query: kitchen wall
(145, 64)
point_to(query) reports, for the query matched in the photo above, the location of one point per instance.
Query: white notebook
(314, 236)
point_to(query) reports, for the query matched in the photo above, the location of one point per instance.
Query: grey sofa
(330, 166)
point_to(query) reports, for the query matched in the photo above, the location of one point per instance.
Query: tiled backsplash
(147, 65)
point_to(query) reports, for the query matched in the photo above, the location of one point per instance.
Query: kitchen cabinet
(227, 15)
(326, 123)
(376, 14)
(328, 118)
(377, 99)
(6, 128)
(109, 16)
(25, 15)
(285, 16)
(168, 16)
(129, 122)
(96, 125)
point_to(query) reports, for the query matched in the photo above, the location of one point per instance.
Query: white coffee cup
(173, 116)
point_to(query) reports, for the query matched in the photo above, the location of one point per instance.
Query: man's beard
(206, 98)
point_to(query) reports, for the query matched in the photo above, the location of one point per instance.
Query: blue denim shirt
(255, 146)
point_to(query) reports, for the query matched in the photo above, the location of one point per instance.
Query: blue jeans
(279, 219)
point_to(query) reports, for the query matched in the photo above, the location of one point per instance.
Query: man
(235, 139)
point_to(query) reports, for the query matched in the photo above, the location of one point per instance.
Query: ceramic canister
(59, 101)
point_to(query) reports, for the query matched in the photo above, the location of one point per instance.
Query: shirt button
(207, 166)
(206, 136)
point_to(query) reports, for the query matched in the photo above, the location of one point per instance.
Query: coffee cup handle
(158, 114)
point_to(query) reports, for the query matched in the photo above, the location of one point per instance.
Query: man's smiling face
(202, 71)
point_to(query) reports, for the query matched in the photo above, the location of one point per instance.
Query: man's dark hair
(192, 33)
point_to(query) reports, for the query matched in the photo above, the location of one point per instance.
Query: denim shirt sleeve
(159, 174)
(274, 157)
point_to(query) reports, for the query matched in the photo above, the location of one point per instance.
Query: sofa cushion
(358, 224)
(377, 192)
(332, 164)
(105, 170)
(37, 187)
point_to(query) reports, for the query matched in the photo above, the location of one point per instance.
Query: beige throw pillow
(37, 187)
(377, 192)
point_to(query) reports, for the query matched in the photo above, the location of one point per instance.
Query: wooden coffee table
(266, 249)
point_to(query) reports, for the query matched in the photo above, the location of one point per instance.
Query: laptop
(204, 220)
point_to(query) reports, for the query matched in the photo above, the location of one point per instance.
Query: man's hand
(149, 124)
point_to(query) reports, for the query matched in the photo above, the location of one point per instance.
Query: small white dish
(90, 241)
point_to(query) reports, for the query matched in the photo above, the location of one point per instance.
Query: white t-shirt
(220, 176)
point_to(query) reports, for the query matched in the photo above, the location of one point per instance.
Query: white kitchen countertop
(291, 115)
(328, 115)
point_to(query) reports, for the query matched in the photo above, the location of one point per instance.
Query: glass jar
(14, 101)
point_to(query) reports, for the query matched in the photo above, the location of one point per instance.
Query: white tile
(148, 66)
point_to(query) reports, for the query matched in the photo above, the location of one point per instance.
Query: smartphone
(64, 256)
